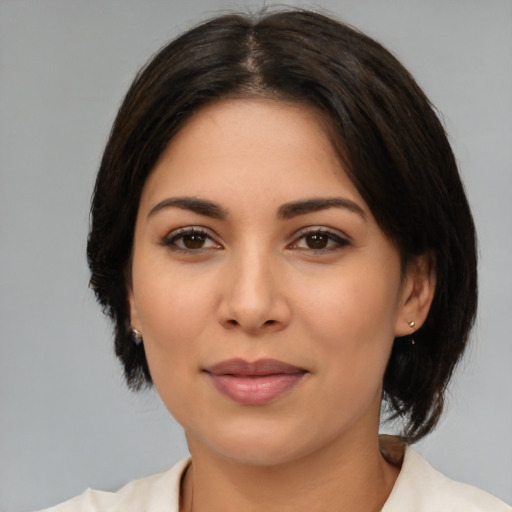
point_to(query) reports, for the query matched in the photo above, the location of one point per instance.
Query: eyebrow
(199, 206)
(316, 204)
(285, 211)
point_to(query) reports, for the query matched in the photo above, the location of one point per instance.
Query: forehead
(241, 148)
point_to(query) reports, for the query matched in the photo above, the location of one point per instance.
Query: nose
(254, 298)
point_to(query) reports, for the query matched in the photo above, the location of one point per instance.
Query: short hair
(386, 131)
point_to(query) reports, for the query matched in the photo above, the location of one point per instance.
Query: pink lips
(254, 383)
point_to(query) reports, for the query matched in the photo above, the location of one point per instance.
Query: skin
(254, 285)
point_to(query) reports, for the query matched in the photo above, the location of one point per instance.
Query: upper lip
(260, 367)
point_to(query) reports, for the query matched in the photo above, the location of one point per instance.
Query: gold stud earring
(412, 323)
(137, 337)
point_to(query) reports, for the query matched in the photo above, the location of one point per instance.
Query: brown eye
(319, 241)
(190, 239)
(316, 240)
(193, 240)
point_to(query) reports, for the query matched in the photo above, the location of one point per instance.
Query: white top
(418, 488)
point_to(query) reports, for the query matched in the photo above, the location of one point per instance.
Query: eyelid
(169, 239)
(340, 238)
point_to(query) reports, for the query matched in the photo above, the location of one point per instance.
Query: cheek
(174, 309)
(173, 316)
(172, 305)
(352, 326)
(352, 317)
(353, 305)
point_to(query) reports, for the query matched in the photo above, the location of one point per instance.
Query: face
(267, 296)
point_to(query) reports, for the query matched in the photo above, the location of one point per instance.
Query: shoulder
(156, 493)
(422, 488)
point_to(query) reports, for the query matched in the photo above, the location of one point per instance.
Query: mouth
(254, 383)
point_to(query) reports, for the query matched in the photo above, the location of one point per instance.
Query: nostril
(270, 322)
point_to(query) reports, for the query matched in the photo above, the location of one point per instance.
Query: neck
(348, 476)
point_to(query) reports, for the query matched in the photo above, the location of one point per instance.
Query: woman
(281, 237)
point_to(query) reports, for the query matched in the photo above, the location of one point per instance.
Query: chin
(257, 443)
(259, 453)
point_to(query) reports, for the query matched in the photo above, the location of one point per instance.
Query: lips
(254, 383)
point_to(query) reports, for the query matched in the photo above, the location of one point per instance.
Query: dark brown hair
(392, 143)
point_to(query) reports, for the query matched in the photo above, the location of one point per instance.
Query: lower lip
(257, 390)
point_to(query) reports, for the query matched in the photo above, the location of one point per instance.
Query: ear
(134, 315)
(417, 293)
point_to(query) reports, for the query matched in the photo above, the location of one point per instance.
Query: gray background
(66, 420)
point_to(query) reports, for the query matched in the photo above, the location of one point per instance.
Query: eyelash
(332, 237)
(170, 241)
